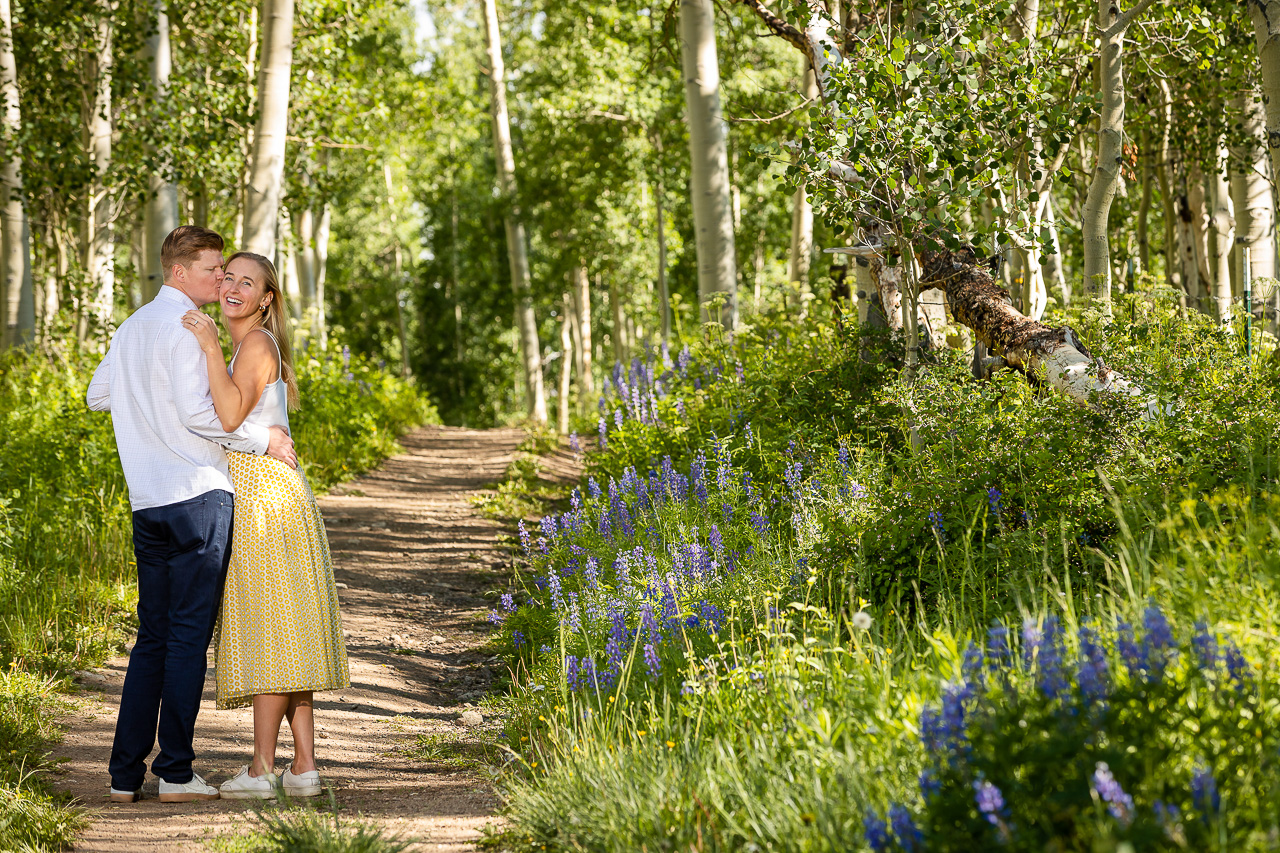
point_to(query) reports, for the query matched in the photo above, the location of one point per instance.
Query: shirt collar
(171, 294)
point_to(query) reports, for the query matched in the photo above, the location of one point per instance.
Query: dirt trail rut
(412, 559)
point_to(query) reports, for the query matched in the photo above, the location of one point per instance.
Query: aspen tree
(517, 251)
(18, 301)
(265, 186)
(708, 151)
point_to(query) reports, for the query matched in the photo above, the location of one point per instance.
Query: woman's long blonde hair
(275, 320)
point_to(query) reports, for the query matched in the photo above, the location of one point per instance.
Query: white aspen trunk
(287, 264)
(1198, 223)
(517, 252)
(1173, 234)
(99, 252)
(802, 209)
(160, 216)
(1266, 28)
(246, 140)
(18, 302)
(621, 352)
(664, 295)
(566, 363)
(582, 316)
(265, 185)
(1106, 174)
(321, 267)
(1144, 208)
(1053, 272)
(712, 209)
(1251, 190)
(304, 252)
(1222, 228)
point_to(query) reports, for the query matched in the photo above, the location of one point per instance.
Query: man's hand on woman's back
(281, 447)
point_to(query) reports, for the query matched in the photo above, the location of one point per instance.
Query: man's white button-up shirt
(154, 382)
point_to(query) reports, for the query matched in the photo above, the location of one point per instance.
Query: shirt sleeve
(99, 394)
(195, 403)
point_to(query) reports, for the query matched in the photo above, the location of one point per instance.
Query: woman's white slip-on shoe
(301, 784)
(242, 786)
(196, 789)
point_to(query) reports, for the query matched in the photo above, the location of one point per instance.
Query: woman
(279, 637)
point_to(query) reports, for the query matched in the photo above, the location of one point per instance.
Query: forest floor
(413, 559)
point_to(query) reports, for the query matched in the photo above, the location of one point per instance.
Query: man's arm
(99, 395)
(195, 403)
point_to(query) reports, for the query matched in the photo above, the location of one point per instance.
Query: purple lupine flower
(593, 488)
(910, 838)
(698, 474)
(842, 455)
(549, 527)
(517, 638)
(930, 785)
(574, 444)
(508, 602)
(999, 655)
(346, 356)
(1130, 653)
(792, 473)
(1237, 666)
(993, 501)
(876, 831)
(571, 671)
(759, 523)
(525, 542)
(715, 540)
(1043, 647)
(712, 617)
(1206, 646)
(1204, 792)
(1167, 815)
(680, 410)
(935, 519)
(496, 618)
(1094, 674)
(1157, 641)
(971, 666)
(573, 616)
(557, 592)
(592, 573)
(683, 360)
(651, 661)
(618, 417)
(989, 799)
(746, 433)
(603, 429)
(1119, 804)
(727, 511)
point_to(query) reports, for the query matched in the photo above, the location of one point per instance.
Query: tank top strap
(276, 344)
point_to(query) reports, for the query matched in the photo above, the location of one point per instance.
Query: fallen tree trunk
(1056, 354)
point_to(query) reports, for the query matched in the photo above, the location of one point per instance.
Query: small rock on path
(412, 560)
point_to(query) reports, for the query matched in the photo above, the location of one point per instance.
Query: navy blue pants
(182, 551)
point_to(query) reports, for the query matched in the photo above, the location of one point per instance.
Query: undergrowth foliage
(764, 620)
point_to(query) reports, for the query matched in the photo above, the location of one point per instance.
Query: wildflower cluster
(1095, 719)
(634, 393)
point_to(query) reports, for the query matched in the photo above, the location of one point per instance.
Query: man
(154, 382)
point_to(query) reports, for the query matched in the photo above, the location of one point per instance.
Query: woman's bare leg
(301, 718)
(268, 710)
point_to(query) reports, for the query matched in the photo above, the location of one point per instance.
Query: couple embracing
(201, 441)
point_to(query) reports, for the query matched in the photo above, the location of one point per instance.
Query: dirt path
(413, 560)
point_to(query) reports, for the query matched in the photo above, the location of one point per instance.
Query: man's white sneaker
(242, 786)
(196, 789)
(118, 796)
(301, 784)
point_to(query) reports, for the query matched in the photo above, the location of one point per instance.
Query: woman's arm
(233, 396)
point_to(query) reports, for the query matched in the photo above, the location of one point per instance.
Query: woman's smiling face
(242, 292)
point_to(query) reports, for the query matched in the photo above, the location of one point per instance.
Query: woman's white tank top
(273, 405)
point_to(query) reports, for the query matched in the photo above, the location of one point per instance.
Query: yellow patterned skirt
(278, 630)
